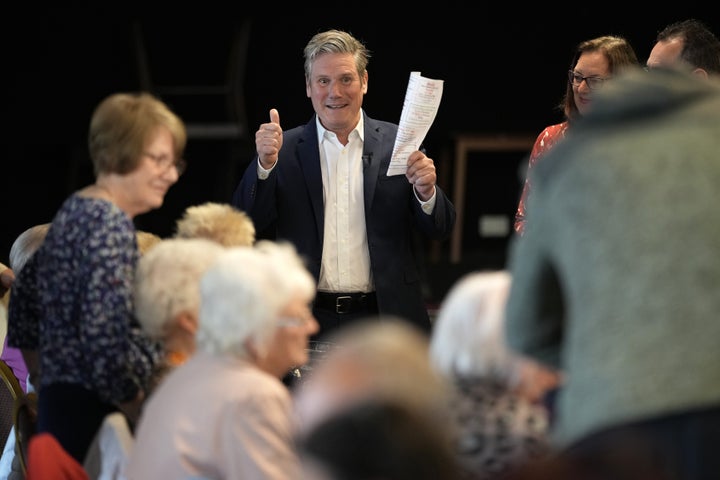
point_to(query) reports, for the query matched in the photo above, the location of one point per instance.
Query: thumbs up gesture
(268, 140)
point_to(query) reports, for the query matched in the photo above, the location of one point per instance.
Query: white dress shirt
(346, 259)
(345, 263)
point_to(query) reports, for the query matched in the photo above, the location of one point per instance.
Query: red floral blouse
(544, 142)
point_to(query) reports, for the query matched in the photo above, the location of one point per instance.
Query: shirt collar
(359, 128)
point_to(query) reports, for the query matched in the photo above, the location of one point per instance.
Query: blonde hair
(146, 240)
(220, 222)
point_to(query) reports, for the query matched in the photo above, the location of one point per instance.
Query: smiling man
(324, 187)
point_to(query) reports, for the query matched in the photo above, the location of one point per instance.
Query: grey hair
(335, 41)
(26, 244)
(468, 336)
(167, 280)
(243, 293)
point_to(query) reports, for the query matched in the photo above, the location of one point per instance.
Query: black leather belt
(346, 302)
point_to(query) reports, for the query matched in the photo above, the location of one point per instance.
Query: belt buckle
(343, 304)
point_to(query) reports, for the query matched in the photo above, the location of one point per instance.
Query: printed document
(422, 101)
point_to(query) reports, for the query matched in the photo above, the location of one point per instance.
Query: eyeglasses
(592, 82)
(165, 161)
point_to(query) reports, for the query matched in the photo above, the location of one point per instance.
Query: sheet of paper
(422, 100)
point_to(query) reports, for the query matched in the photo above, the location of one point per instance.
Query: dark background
(503, 66)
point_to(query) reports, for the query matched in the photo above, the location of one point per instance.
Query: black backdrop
(503, 67)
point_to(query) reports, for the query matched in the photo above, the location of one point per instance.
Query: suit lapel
(308, 155)
(309, 150)
(371, 160)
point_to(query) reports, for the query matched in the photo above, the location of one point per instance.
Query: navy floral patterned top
(73, 303)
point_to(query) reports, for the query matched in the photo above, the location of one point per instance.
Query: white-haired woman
(167, 294)
(225, 413)
(499, 411)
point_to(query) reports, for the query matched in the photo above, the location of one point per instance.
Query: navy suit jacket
(291, 200)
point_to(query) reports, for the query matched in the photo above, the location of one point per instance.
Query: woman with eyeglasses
(594, 62)
(225, 413)
(71, 306)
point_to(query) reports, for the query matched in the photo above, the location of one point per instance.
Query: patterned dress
(72, 302)
(544, 142)
(496, 429)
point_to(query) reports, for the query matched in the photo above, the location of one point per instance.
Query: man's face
(337, 91)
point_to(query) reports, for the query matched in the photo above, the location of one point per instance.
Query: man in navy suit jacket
(324, 187)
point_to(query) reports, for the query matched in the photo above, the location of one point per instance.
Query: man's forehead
(666, 53)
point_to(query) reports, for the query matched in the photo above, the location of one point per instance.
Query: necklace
(175, 358)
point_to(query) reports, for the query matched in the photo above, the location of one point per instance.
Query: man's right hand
(268, 140)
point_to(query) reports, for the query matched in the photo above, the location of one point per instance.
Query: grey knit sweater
(617, 277)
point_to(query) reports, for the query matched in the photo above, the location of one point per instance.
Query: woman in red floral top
(595, 61)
